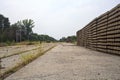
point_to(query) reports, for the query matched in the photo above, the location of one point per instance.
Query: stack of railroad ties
(103, 33)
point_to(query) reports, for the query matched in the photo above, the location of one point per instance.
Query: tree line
(20, 31)
(71, 39)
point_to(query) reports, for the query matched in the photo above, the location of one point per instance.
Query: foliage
(24, 29)
(20, 31)
(4, 22)
(4, 25)
(68, 39)
(42, 38)
(63, 39)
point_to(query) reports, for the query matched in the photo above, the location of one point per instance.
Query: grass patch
(28, 43)
(26, 58)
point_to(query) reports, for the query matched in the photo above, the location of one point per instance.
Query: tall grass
(27, 58)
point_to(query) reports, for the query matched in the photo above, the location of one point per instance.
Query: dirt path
(69, 62)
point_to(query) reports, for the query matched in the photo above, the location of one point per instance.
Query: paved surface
(69, 62)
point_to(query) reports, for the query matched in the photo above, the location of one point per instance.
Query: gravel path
(10, 50)
(69, 62)
(12, 61)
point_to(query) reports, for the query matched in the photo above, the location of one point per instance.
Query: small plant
(30, 43)
(8, 43)
(26, 58)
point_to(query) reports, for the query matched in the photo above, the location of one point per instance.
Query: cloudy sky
(56, 18)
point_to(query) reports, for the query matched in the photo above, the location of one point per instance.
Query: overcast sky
(57, 18)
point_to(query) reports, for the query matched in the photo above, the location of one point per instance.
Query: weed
(26, 58)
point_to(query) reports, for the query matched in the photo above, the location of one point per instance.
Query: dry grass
(26, 59)
(18, 53)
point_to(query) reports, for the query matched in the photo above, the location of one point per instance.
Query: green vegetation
(71, 39)
(4, 25)
(42, 38)
(22, 31)
(19, 31)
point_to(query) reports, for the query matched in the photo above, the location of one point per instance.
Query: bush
(8, 43)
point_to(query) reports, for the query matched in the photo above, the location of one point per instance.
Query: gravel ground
(12, 61)
(69, 62)
(9, 50)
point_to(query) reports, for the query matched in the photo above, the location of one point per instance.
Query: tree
(68, 39)
(63, 39)
(4, 22)
(28, 24)
(24, 28)
(4, 25)
(71, 39)
(41, 38)
(20, 31)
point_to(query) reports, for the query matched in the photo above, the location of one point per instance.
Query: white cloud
(56, 18)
